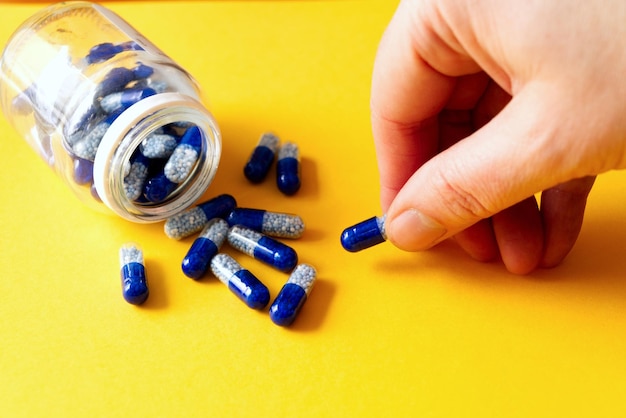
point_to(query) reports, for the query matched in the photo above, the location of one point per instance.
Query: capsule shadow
(312, 235)
(157, 298)
(446, 256)
(315, 309)
(310, 180)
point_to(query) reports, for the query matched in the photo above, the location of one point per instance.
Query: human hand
(479, 105)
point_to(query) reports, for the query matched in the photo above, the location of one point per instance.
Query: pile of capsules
(165, 158)
(253, 232)
(163, 161)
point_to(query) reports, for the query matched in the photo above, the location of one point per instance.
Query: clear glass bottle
(89, 94)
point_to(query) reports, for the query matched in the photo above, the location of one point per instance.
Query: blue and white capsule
(137, 174)
(262, 157)
(157, 188)
(275, 224)
(118, 78)
(365, 234)
(262, 248)
(86, 146)
(158, 145)
(114, 81)
(177, 168)
(240, 281)
(184, 156)
(204, 248)
(292, 296)
(133, 274)
(193, 220)
(107, 50)
(83, 171)
(288, 169)
(142, 71)
(103, 52)
(124, 99)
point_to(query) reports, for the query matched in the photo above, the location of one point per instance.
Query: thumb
(526, 148)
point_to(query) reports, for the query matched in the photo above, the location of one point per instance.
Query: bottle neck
(123, 139)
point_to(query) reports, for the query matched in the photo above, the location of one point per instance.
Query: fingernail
(413, 231)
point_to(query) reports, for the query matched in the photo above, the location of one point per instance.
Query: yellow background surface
(384, 333)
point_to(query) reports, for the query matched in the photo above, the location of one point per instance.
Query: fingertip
(520, 268)
(548, 263)
(412, 230)
(387, 194)
(563, 210)
(478, 241)
(520, 236)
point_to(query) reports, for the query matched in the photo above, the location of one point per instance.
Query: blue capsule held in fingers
(194, 219)
(262, 157)
(365, 234)
(133, 274)
(262, 248)
(240, 281)
(292, 296)
(198, 258)
(288, 169)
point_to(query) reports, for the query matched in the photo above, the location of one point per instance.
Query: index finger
(406, 97)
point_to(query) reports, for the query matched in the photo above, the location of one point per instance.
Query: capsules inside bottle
(118, 120)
